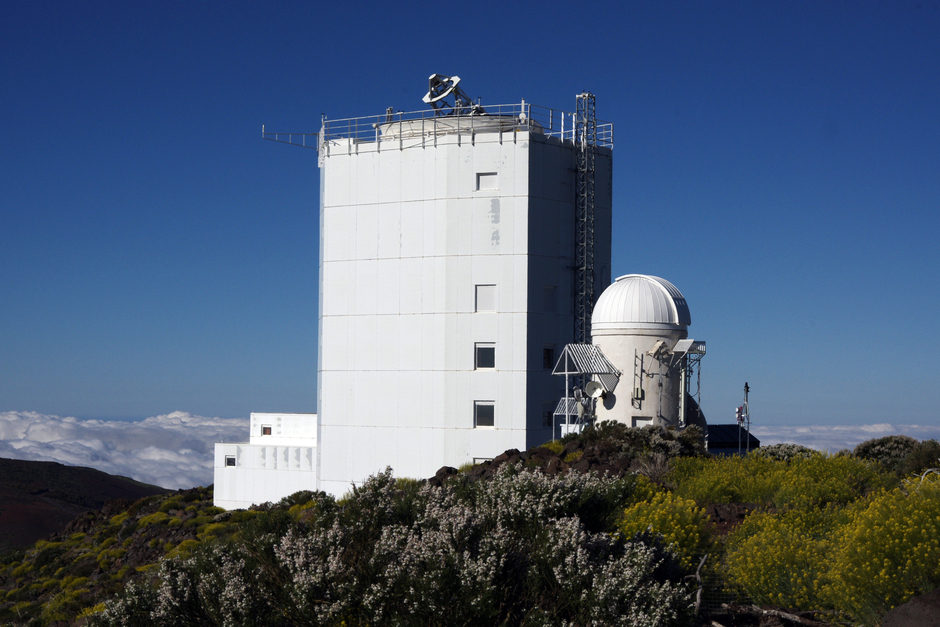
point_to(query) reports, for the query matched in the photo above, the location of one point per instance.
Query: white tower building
(447, 254)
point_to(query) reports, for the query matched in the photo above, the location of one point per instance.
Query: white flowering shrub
(889, 450)
(784, 452)
(522, 549)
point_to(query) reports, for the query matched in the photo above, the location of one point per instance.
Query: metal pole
(747, 417)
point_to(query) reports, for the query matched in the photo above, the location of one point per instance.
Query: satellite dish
(594, 389)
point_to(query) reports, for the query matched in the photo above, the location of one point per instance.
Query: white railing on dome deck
(511, 117)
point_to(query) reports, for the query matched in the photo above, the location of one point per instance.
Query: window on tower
(487, 180)
(548, 357)
(485, 298)
(548, 299)
(484, 355)
(484, 414)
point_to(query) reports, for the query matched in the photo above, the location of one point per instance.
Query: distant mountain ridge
(40, 498)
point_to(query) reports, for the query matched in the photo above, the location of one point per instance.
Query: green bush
(889, 450)
(783, 452)
(922, 456)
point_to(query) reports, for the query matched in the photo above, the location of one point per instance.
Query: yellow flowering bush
(822, 479)
(802, 481)
(683, 525)
(888, 552)
(726, 479)
(780, 559)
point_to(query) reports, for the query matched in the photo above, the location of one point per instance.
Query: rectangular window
(485, 298)
(484, 413)
(548, 357)
(229, 460)
(548, 299)
(487, 180)
(548, 413)
(484, 355)
(266, 430)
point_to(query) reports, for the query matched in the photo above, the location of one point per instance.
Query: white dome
(640, 301)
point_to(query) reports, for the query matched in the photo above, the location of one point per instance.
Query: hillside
(39, 498)
(528, 538)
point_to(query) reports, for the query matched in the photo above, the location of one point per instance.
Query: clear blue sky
(157, 255)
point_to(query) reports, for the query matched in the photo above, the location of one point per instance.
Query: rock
(572, 446)
(582, 465)
(921, 611)
(499, 459)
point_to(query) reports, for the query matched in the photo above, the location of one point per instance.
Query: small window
(484, 356)
(229, 460)
(484, 414)
(548, 413)
(266, 430)
(548, 358)
(487, 180)
(548, 299)
(485, 298)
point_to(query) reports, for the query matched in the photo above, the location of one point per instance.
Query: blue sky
(779, 162)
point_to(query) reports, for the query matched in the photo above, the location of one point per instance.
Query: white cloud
(834, 438)
(176, 450)
(173, 451)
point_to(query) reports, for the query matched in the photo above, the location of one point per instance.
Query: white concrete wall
(406, 235)
(659, 379)
(286, 429)
(262, 473)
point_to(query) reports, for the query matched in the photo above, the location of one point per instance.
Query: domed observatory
(641, 324)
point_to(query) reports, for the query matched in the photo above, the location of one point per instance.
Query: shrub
(726, 480)
(154, 519)
(889, 450)
(815, 480)
(784, 452)
(888, 552)
(573, 456)
(922, 456)
(523, 548)
(781, 559)
(683, 526)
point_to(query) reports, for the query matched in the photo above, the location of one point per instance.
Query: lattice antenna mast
(585, 132)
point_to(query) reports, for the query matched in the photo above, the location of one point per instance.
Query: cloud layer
(173, 451)
(834, 438)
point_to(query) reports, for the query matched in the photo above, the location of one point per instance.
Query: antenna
(594, 389)
(440, 87)
(304, 140)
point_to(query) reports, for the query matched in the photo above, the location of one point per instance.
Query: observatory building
(459, 247)
(641, 325)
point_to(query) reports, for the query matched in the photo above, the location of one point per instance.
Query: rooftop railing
(510, 117)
